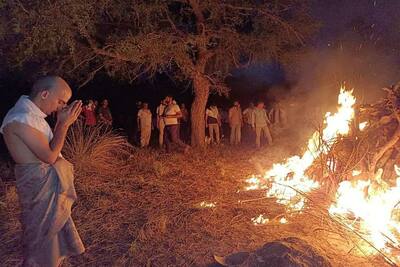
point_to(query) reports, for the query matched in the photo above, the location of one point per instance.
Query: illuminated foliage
(196, 40)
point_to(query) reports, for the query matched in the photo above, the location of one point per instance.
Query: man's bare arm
(38, 143)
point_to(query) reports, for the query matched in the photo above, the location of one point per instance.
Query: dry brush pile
(371, 145)
(370, 153)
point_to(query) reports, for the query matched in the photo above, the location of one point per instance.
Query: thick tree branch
(199, 15)
(271, 16)
(82, 62)
(90, 76)
(22, 7)
(389, 144)
(171, 22)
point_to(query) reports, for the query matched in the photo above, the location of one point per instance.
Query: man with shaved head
(44, 179)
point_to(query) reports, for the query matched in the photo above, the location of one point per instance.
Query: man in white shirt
(260, 124)
(160, 123)
(235, 122)
(278, 115)
(171, 132)
(44, 179)
(144, 124)
(247, 115)
(213, 122)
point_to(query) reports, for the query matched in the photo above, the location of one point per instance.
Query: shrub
(95, 149)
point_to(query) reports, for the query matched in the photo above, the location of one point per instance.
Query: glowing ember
(289, 179)
(373, 204)
(205, 204)
(283, 220)
(362, 125)
(260, 220)
(254, 183)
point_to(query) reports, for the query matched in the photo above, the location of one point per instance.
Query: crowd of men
(253, 123)
(170, 123)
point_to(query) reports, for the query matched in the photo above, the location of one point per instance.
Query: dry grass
(10, 228)
(143, 210)
(95, 149)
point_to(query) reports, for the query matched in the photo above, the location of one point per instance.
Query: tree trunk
(201, 91)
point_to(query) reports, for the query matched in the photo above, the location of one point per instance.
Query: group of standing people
(171, 121)
(94, 114)
(255, 120)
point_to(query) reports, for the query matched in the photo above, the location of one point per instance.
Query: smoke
(357, 46)
(361, 67)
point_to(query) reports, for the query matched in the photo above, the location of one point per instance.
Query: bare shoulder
(20, 129)
(13, 128)
(19, 138)
(29, 135)
(18, 148)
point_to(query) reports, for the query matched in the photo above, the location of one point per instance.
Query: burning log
(371, 143)
(384, 148)
(372, 197)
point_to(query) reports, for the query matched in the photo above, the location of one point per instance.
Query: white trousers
(264, 130)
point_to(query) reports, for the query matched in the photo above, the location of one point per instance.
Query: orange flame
(288, 179)
(373, 204)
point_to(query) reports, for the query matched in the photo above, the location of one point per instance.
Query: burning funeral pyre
(353, 160)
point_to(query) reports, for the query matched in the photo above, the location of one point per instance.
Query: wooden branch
(22, 7)
(146, 70)
(238, 64)
(101, 51)
(82, 62)
(200, 20)
(62, 63)
(272, 17)
(377, 156)
(91, 76)
(171, 22)
(107, 53)
(217, 86)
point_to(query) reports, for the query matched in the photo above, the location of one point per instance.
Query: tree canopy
(196, 40)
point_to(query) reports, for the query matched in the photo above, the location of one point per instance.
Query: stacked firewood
(370, 152)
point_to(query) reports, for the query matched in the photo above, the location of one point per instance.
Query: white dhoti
(46, 194)
(264, 130)
(145, 134)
